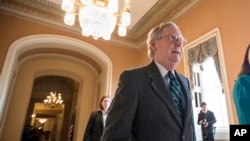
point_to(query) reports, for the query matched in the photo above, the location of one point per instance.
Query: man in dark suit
(207, 120)
(143, 108)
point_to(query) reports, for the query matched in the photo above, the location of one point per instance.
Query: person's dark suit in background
(143, 108)
(96, 123)
(206, 119)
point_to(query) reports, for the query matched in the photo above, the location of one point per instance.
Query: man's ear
(153, 45)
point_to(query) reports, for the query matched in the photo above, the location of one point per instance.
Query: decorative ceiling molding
(49, 13)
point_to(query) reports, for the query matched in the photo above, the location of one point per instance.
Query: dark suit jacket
(94, 129)
(210, 118)
(143, 109)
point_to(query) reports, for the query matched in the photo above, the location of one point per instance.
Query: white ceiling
(139, 8)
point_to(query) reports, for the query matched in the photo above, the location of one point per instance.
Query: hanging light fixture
(53, 100)
(97, 18)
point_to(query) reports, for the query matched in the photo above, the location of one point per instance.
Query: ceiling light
(53, 100)
(97, 18)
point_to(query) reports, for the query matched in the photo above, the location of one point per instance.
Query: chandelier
(97, 18)
(53, 100)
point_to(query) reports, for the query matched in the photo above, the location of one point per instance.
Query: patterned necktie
(175, 91)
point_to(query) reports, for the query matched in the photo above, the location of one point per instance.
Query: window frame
(213, 33)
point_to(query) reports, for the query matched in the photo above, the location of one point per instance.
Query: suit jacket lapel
(100, 117)
(158, 85)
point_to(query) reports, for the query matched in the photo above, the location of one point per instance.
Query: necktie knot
(171, 76)
(173, 81)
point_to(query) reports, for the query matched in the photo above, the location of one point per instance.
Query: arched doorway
(40, 55)
(50, 122)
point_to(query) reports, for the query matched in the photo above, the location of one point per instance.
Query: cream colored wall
(232, 18)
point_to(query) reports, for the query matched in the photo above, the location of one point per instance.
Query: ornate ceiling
(49, 12)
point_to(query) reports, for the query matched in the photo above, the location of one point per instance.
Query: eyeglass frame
(173, 38)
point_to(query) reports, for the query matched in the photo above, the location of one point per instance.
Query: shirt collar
(162, 70)
(204, 111)
(104, 112)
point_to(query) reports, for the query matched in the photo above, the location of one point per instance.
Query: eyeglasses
(174, 38)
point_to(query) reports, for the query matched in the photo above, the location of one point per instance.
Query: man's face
(204, 107)
(168, 48)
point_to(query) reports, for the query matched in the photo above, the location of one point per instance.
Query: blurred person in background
(241, 91)
(97, 120)
(207, 120)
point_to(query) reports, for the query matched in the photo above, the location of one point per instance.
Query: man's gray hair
(155, 34)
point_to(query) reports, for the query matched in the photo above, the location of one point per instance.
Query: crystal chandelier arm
(86, 2)
(67, 5)
(69, 18)
(113, 6)
(126, 17)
